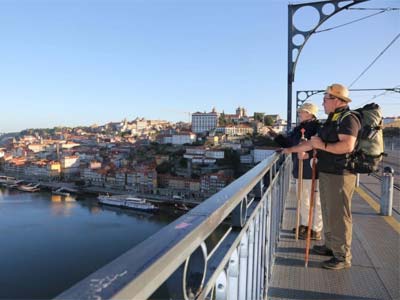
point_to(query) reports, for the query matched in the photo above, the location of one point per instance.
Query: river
(49, 242)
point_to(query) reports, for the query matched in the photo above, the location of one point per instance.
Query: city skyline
(76, 63)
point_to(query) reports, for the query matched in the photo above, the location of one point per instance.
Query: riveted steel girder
(294, 49)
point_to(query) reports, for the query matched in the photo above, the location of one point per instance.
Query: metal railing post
(243, 256)
(387, 192)
(233, 276)
(250, 290)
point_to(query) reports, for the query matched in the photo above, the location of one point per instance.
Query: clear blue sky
(81, 62)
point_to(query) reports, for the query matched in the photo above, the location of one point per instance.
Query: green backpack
(368, 151)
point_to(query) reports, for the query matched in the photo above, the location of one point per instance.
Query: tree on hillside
(268, 121)
(164, 167)
(259, 116)
(222, 120)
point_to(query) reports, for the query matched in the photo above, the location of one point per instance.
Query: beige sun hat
(339, 91)
(310, 108)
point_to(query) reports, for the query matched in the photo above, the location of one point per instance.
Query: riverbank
(96, 190)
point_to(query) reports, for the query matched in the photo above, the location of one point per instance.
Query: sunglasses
(328, 97)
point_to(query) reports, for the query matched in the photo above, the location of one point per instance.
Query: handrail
(141, 270)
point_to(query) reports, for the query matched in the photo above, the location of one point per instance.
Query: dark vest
(329, 162)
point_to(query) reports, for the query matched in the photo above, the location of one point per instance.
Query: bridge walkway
(376, 256)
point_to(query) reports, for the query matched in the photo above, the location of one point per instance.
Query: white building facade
(203, 122)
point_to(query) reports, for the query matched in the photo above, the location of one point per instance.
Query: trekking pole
(310, 214)
(299, 188)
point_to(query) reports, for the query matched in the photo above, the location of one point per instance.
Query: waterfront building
(94, 177)
(70, 166)
(176, 185)
(43, 170)
(120, 178)
(142, 179)
(15, 167)
(212, 183)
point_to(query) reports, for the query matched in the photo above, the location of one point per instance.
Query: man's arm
(345, 144)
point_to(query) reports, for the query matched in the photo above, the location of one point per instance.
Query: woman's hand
(302, 155)
(272, 132)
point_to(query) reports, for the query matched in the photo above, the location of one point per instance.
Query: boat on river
(28, 188)
(127, 201)
(61, 192)
(9, 182)
(181, 207)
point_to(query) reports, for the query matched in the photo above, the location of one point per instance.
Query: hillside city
(148, 157)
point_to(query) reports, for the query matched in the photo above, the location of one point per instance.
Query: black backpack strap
(358, 115)
(348, 113)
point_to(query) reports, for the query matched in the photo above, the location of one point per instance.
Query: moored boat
(181, 206)
(60, 192)
(128, 202)
(28, 188)
(9, 182)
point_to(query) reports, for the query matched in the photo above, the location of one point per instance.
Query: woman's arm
(302, 147)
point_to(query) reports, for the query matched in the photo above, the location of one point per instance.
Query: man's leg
(340, 221)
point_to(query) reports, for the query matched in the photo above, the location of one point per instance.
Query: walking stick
(299, 188)
(310, 214)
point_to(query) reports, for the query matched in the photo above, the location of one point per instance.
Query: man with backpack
(334, 144)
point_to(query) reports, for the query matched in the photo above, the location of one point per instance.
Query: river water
(49, 242)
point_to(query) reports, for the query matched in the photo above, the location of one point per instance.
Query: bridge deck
(376, 257)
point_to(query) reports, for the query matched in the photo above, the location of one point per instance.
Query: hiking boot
(315, 235)
(322, 250)
(335, 264)
(302, 228)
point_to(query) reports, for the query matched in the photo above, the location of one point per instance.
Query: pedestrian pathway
(376, 258)
(372, 186)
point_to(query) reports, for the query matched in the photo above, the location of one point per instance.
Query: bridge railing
(221, 249)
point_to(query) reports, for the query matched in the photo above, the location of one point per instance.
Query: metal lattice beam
(325, 9)
(310, 93)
